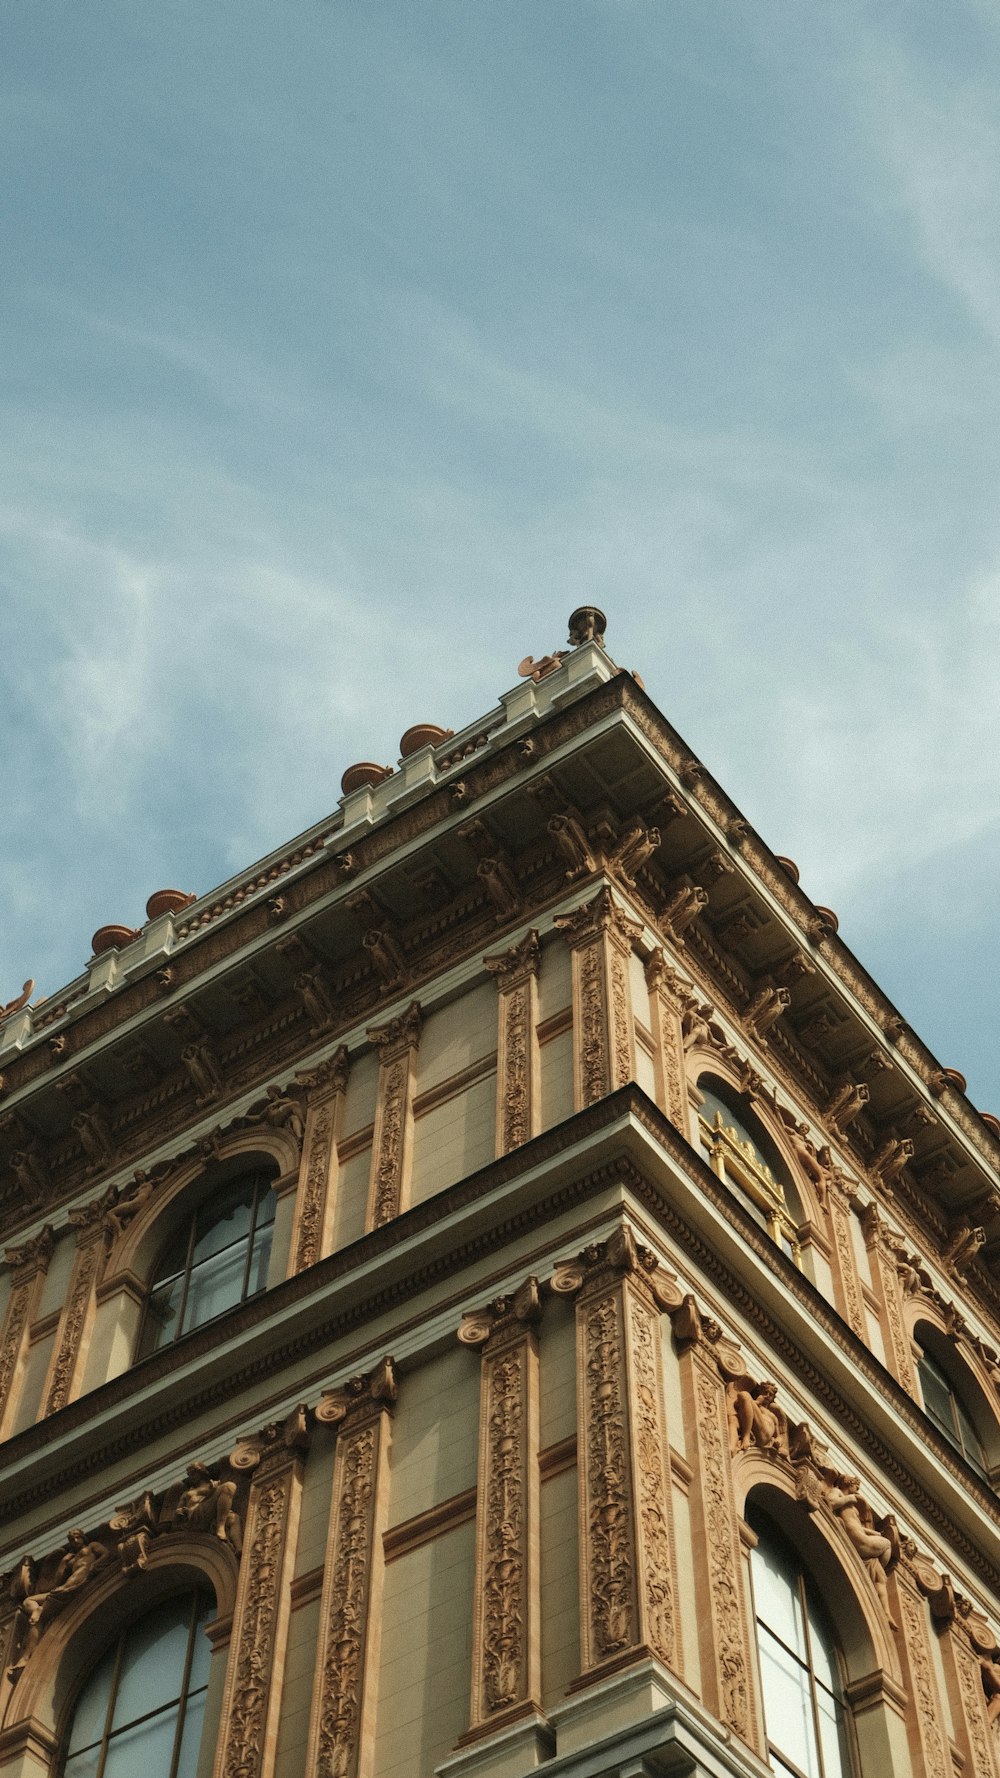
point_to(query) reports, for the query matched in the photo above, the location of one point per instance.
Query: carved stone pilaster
(885, 1277)
(326, 1087)
(342, 1726)
(924, 1721)
(665, 1008)
(392, 1142)
(506, 1632)
(846, 1282)
(76, 1315)
(601, 937)
(974, 1732)
(29, 1264)
(627, 1602)
(252, 1703)
(515, 972)
(723, 1619)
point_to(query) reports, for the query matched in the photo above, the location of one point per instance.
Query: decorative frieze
(341, 1734)
(392, 1141)
(515, 972)
(601, 937)
(506, 1661)
(252, 1703)
(627, 1606)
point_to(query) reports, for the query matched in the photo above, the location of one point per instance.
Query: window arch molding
(964, 1370)
(37, 1707)
(873, 1675)
(136, 1254)
(706, 1065)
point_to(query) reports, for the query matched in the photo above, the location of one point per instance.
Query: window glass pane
(215, 1285)
(260, 1259)
(89, 1715)
(194, 1716)
(223, 1221)
(144, 1751)
(970, 1438)
(201, 1653)
(787, 1704)
(776, 1591)
(267, 1204)
(162, 1310)
(153, 1661)
(833, 1737)
(83, 1765)
(937, 1396)
(823, 1648)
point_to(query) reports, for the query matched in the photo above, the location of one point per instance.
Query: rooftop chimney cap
(587, 624)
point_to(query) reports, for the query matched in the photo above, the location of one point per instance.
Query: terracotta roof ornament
(19, 1000)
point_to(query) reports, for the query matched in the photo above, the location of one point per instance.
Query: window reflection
(216, 1259)
(142, 1708)
(944, 1406)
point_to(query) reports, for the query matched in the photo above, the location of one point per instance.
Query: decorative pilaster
(342, 1727)
(601, 937)
(724, 1633)
(885, 1277)
(627, 1605)
(924, 1720)
(846, 1283)
(665, 1008)
(392, 1142)
(70, 1345)
(506, 1628)
(252, 1703)
(515, 972)
(316, 1199)
(29, 1264)
(971, 1661)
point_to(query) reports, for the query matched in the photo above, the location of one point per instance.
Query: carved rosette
(601, 937)
(931, 1758)
(665, 1007)
(899, 1350)
(846, 1281)
(30, 1263)
(318, 1175)
(627, 1607)
(515, 972)
(723, 1621)
(252, 1704)
(506, 1676)
(397, 1044)
(341, 1735)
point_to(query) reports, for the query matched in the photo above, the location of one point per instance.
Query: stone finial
(587, 624)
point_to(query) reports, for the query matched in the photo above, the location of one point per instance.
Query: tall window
(214, 1260)
(805, 1717)
(945, 1407)
(141, 1710)
(741, 1153)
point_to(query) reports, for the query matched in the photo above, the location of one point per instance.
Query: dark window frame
(206, 1212)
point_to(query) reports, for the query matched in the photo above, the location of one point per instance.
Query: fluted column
(723, 1618)
(392, 1142)
(342, 1726)
(69, 1354)
(668, 1041)
(846, 1282)
(316, 1197)
(885, 1278)
(29, 1264)
(506, 1627)
(600, 936)
(254, 1680)
(627, 1592)
(515, 972)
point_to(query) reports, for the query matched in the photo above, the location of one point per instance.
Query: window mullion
(185, 1684)
(109, 1714)
(187, 1276)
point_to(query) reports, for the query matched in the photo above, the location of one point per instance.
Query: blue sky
(347, 346)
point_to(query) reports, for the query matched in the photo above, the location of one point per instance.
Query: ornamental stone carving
(325, 1087)
(396, 1043)
(515, 972)
(601, 937)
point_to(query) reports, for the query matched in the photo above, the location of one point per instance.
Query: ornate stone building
(497, 1287)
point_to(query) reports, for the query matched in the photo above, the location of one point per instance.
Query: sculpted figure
(135, 1196)
(877, 1551)
(755, 1419)
(282, 1112)
(637, 843)
(990, 1670)
(38, 1609)
(963, 1246)
(569, 836)
(202, 1068)
(204, 1504)
(311, 990)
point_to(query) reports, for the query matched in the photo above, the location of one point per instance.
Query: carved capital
(399, 1035)
(360, 1397)
(503, 1315)
(603, 1262)
(512, 967)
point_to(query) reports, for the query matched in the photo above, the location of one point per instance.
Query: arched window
(740, 1151)
(944, 1405)
(142, 1707)
(805, 1718)
(215, 1258)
